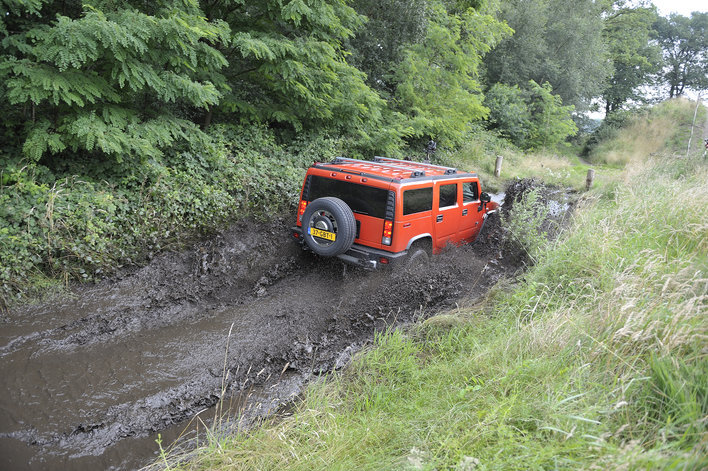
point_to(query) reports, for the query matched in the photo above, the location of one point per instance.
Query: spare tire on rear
(333, 216)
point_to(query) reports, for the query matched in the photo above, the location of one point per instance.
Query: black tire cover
(339, 219)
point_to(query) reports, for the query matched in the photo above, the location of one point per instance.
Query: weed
(55, 224)
(525, 223)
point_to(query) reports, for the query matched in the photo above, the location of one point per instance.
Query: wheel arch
(421, 239)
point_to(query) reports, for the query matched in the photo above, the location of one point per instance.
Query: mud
(89, 381)
(555, 203)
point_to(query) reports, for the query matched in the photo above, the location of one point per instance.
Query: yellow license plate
(322, 234)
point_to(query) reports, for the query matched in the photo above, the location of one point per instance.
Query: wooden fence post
(589, 179)
(497, 166)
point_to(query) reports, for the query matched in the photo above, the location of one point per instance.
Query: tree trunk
(207, 118)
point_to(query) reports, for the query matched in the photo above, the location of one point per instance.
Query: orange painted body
(457, 221)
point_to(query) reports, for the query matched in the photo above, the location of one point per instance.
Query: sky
(682, 7)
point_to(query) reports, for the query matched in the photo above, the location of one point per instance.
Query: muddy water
(88, 381)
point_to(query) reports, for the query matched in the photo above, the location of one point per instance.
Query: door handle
(464, 212)
(439, 218)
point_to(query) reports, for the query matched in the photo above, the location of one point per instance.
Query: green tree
(684, 42)
(437, 86)
(551, 122)
(634, 57)
(391, 26)
(554, 41)
(116, 78)
(508, 112)
(532, 117)
(287, 64)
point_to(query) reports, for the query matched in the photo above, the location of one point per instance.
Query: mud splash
(245, 316)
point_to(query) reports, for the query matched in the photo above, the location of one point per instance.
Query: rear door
(367, 202)
(446, 210)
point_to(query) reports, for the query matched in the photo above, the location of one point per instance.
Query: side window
(470, 192)
(448, 195)
(418, 200)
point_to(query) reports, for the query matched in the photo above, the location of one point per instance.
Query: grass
(562, 168)
(596, 359)
(652, 132)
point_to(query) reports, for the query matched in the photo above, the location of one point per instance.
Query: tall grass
(661, 130)
(561, 166)
(479, 155)
(595, 360)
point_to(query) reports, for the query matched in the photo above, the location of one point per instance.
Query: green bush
(532, 118)
(508, 112)
(525, 223)
(83, 218)
(551, 122)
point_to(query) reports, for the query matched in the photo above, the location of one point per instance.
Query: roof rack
(414, 173)
(410, 163)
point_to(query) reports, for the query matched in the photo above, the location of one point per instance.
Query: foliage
(508, 112)
(287, 64)
(525, 224)
(436, 88)
(391, 137)
(531, 118)
(107, 79)
(551, 122)
(70, 227)
(554, 41)
(627, 32)
(391, 27)
(684, 42)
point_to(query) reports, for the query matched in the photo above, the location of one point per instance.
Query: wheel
(327, 218)
(417, 258)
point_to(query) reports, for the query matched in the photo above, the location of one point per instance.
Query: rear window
(361, 199)
(418, 200)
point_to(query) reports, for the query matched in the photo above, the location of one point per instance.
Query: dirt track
(88, 381)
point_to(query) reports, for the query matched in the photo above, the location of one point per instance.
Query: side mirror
(484, 198)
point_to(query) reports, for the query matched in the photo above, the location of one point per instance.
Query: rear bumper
(360, 255)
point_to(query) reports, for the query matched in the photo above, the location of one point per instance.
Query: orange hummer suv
(388, 211)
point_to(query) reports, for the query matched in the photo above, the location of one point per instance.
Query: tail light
(301, 210)
(387, 233)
